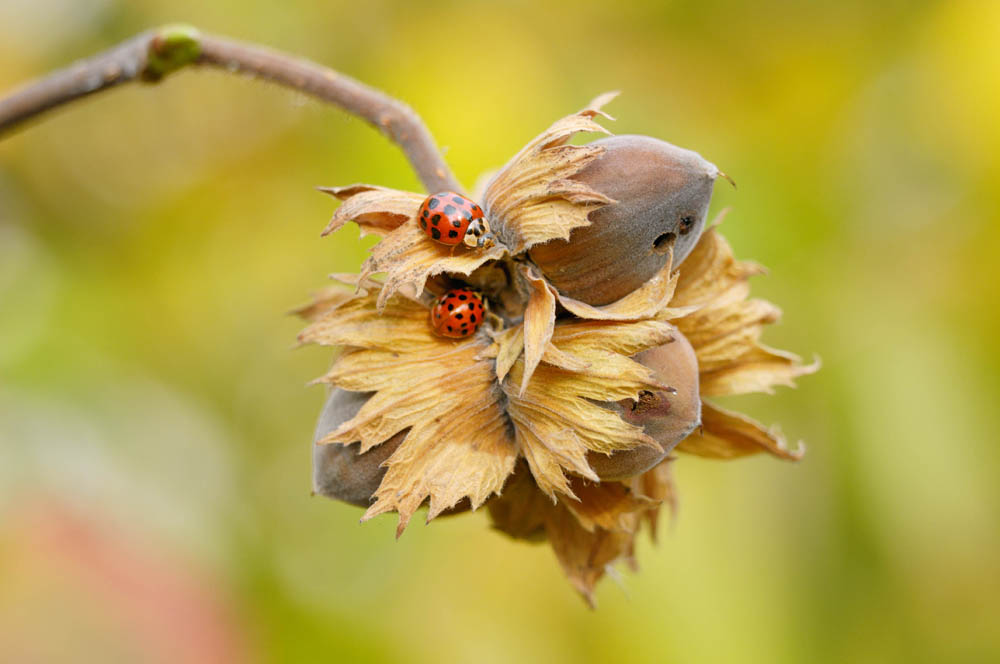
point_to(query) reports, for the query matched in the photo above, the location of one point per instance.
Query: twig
(151, 56)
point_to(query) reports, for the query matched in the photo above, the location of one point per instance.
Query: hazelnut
(662, 194)
(667, 417)
(339, 472)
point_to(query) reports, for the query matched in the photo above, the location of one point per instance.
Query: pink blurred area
(78, 589)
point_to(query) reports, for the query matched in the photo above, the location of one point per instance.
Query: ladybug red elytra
(452, 219)
(458, 313)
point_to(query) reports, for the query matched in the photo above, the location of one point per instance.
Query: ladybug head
(484, 241)
(478, 235)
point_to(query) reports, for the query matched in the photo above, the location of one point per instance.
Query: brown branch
(152, 55)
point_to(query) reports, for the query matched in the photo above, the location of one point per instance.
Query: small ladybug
(458, 313)
(451, 218)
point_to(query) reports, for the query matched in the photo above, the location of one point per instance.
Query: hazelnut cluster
(611, 314)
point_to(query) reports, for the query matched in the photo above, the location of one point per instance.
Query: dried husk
(420, 383)
(729, 435)
(725, 331)
(558, 419)
(539, 323)
(533, 199)
(589, 532)
(531, 391)
(649, 301)
(405, 254)
(657, 485)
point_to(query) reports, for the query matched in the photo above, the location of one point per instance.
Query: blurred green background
(155, 422)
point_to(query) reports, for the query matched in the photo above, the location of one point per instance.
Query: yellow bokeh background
(155, 421)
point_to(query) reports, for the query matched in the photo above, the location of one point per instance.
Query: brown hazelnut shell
(339, 472)
(661, 195)
(667, 417)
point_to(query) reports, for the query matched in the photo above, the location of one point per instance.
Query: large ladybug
(458, 313)
(452, 219)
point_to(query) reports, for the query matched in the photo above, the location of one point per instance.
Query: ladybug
(458, 313)
(453, 219)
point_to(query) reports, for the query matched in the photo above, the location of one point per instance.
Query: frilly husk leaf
(354, 322)
(405, 253)
(607, 505)
(648, 301)
(419, 382)
(409, 258)
(376, 210)
(533, 199)
(603, 349)
(520, 509)
(758, 369)
(556, 420)
(726, 327)
(507, 347)
(586, 555)
(728, 435)
(539, 322)
(657, 485)
(336, 295)
(510, 345)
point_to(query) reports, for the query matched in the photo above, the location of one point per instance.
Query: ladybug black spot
(449, 210)
(451, 329)
(456, 223)
(426, 212)
(436, 218)
(433, 203)
(451, 307)
(423, 224)
(459, 316)
(458, 199)
(436, 234)
(463, 297)
(472, 318)
(452, 233)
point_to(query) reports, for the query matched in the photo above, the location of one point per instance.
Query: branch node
(171, 48)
